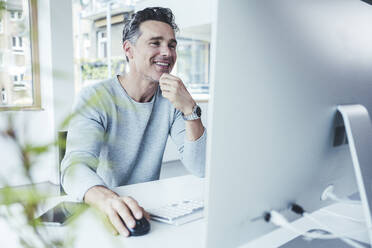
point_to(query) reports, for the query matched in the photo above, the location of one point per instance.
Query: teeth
(162, 64)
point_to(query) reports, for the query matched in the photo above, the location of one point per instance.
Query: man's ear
(128, 49)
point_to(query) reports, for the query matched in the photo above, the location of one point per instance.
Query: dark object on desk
(142, 227)
(62, 213)
(367, 1)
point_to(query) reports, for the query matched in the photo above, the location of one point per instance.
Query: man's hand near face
(175, 91)
(116, 208)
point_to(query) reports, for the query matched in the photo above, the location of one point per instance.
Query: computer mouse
(142, 227)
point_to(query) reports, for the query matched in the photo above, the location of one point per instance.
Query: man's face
(155, 50)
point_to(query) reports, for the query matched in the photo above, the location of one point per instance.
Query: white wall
(57, 91)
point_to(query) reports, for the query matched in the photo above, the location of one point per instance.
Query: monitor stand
(358, 129)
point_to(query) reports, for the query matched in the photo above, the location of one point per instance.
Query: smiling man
(120, 127)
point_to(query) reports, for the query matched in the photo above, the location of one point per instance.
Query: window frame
(35, 63)
(2, 55)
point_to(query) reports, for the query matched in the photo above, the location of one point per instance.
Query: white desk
(91, 232)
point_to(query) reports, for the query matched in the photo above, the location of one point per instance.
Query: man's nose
(165, 51)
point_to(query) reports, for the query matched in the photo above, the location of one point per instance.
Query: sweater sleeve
(84, 140)
(192, 152)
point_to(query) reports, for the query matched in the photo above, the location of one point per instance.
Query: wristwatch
(196, 113)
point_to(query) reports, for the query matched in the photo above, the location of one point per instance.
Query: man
(120, 127)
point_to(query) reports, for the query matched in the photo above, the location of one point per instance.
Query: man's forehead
(157, 29)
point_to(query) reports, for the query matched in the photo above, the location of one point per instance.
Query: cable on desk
(300, 211)
(279, 220)
(342, 216)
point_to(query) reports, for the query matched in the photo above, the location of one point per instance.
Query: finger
(166, 82)
(118, 224)
(125, 215)
(111, 226)
(146, 214)
(134, 207)
(170, 76)
(169, 79)
(164, 75)
(166, 88)
(167, 95)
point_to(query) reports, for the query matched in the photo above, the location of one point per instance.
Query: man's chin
(156, 76)
(160, 73)
(154, 79)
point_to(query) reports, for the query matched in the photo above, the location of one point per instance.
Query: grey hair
(131, 30)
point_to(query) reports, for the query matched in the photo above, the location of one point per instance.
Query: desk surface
(150, 195)
(91, 232)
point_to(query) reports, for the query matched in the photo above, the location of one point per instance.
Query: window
(193, 65)
(19, 84)
(17, 43)
(102, 44)
(20, 66)
(86, 45)
(15, 15)
(91, 43)
(4, 98)
(18, 78)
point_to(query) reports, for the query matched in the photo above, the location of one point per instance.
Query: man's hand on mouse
(175, 91)
(116, 208)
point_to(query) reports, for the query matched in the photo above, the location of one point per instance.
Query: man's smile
(163, 65)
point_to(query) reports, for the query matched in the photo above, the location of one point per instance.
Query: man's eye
(156, 43)
(172, 46)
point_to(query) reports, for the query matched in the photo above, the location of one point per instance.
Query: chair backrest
(62, 136)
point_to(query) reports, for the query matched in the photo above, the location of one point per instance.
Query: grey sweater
(113, 140)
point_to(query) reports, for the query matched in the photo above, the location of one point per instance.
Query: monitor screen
(279, 71)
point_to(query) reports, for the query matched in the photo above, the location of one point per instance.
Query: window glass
(92, 46)
(19, 82)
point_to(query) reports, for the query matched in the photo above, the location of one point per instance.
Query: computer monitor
(279, 71)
